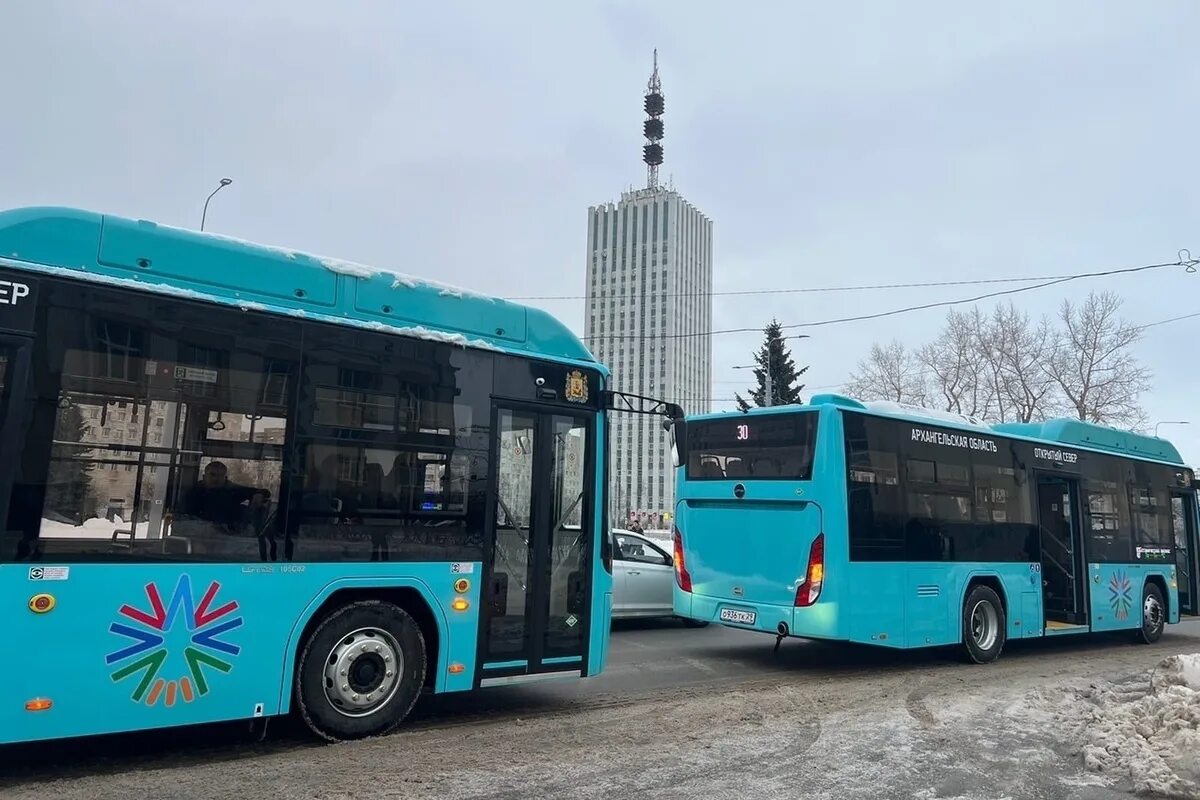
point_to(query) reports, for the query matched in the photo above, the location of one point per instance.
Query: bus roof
(1062, 432)
(158, 258)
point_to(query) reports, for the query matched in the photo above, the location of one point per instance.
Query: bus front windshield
(752, 447)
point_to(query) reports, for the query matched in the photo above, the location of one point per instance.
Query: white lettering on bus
(1057, 456)
(954, 440)
(11, 292)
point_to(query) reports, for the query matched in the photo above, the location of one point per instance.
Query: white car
(643, 578)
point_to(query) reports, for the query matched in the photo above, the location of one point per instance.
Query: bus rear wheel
(983, 625)
(1154, 615)
(361, 671)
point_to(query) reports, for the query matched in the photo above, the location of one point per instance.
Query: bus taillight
(808, 592)
(682, 576)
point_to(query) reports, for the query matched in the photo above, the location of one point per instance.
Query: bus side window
(158, 430)
(392, 442)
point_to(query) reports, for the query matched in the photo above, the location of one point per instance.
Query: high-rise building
(649, 313)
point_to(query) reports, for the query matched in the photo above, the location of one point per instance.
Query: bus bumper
(818, 621)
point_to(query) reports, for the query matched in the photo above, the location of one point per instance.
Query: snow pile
(343, 267)
(1145, 729)
(338, 265)
(286, 252)
(933, 414)
(401, 280)
(421, 332)
(663, 539)
(92, 528)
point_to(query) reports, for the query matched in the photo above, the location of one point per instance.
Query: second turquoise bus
(906, 528)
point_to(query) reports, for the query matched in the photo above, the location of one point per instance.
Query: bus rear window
(752, 447)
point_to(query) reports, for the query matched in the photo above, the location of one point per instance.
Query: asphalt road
(656, 669)
(652, 658)
(663, 657)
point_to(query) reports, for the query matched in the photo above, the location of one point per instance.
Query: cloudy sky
(846, 143)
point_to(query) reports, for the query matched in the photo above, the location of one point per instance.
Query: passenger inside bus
(218, 500)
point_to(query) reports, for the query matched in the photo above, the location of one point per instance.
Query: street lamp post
(204, 216)
(1169, 422)
(767, 384)
(768, 380)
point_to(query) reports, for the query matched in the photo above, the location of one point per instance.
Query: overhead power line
(813, 289)
(1165, 321)
(1185, 261)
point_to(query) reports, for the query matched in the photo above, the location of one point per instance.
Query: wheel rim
(985, 625)
(1152, 614)
(362, 672)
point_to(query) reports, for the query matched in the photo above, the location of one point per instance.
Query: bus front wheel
(983, 624)
(1154, 614)
(361, 671)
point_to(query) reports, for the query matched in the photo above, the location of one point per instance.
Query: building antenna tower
(652, 151)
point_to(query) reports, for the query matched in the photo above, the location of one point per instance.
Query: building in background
(649, 313)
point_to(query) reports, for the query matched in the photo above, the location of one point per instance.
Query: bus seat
(736, 468)
(765, 468)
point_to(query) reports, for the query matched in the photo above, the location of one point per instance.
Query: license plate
(738, 616)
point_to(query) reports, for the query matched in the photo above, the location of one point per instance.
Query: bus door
(1183, 520)
(1061, 531)
(536, 581)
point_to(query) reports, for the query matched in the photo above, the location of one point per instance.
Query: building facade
(649, 314)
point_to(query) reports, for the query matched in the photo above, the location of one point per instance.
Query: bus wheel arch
(408, 599)
(984, 619)
(1154, 596)
(360, 670)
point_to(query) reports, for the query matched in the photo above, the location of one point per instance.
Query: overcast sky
(832, 144)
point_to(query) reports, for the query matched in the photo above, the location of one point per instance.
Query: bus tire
(694, 623)
(1154, 614)
(361, 671)
(983, 625)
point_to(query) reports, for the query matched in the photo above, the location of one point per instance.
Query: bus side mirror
(676, 436)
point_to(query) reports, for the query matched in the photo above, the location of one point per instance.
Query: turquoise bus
(892, 526)
(241, 481)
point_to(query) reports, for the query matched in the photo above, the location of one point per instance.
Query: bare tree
(1004, 367)
(986, 341)
(1022, 351)
(889, 372)
(958, 377)
(991, 366)
(1093, 363)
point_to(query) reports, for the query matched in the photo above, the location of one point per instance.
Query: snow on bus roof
(932, 414)
(413, 331)
(339, 265)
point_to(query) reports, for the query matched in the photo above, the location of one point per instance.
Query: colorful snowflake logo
(150, 650)
(1120, 594)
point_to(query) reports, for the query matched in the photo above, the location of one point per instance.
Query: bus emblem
(151, 650)
(1120, 594)
(577, 388)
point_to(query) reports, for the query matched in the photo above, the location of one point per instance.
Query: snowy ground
(1143, 729)
(1089, 721)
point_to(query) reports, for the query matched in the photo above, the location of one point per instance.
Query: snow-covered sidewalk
(1144, 729)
